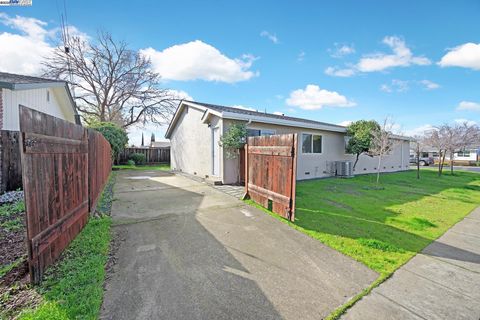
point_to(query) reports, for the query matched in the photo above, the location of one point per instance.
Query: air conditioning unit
(344, 169)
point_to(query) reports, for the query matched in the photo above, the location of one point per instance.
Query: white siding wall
(310, 166)
(191, 143)
(58, 105)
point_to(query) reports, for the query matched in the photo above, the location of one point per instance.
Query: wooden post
(245, 196)
(294, 176)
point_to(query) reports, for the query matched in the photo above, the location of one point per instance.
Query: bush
(131, 162)
(114, 134)
(138, 158)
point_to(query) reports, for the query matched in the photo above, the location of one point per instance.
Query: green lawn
(162, 167)
(384, 228)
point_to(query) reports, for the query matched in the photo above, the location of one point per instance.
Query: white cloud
(429, 85)
(345, 123)
(23, 51)
(180, 94)
(198, 60)
(469, 106)
(419, 131)
(313, 98)
(301, 56)
(243, 107)
(27, 43)
(466, 55)
(341, 50)
(468, 122)
(395, 85)
(272, 37)
(401, 56)
(339, 72)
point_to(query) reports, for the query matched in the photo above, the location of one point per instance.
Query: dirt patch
(12, 240)
(118, 236)
(16, 292)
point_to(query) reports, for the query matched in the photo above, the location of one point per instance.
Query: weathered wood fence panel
(152, 155)
(271, 165)
(10, 164)
(99, 165)
(55, 165)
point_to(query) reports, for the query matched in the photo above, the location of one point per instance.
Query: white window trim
(310, 153)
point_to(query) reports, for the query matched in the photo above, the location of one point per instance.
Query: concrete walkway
(442, 282)
(193, 252)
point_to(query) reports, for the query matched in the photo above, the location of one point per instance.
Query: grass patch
(383, 227)
(6, 268)
(73, 287)
(7, 213)
(160, 167)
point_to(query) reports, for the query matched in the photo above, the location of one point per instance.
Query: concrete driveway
(193, 252)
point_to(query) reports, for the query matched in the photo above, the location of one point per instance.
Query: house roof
(21, 82)
(159, 144)
(13, 81)
(262, 114)
(256, 116)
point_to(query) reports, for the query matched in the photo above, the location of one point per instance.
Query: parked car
(423, 161)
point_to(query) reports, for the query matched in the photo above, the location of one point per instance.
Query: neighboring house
(469, 156)
(49, 96)
(160, 144)
(196, 128)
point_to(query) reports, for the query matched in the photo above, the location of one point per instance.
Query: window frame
(312, 134)
(274, 132)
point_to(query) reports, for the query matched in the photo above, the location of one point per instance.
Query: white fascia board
(282, 122)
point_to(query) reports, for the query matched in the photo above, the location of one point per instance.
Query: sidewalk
(442, 282)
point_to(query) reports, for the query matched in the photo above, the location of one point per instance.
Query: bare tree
(436, 140)
(382, 144)
(421, 145)
(113, 82)
(449, 139)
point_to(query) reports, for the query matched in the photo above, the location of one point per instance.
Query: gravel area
(11, 197)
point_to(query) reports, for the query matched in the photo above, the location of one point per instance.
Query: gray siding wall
(191, 143)
(57, 105)
(310, 166)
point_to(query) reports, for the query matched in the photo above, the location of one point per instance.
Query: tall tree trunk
(378, 168)
(443, 162)
(451, 162)
(439, 162)
(356, 160)
(418, 161)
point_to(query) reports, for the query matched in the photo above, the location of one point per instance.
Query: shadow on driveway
(192, 252)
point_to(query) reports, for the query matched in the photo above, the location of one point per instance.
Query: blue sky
(334, 61)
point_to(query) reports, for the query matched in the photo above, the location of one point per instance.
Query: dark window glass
(317, 144)
(306, 143)
(253, 133)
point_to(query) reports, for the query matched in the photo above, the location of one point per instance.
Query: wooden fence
(10, 165)
(64, 169)
(270, 172)
(152, 155)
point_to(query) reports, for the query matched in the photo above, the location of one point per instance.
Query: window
(311, 143)
(424, 155)
(464, 153)
(346, 139)
(48, 96)
(259, 132)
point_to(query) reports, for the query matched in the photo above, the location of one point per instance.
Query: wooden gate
(55, 169)
(271, 165)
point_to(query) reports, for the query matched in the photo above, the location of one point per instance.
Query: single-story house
(48, 96)
(468, 156)
(196, 128)
(160, 144)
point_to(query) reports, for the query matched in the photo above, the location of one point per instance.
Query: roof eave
(284, 122)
